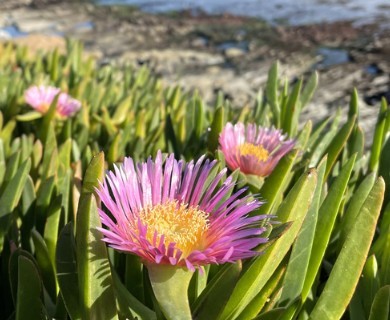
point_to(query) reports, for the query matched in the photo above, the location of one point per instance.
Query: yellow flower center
(178, 223)
(257, 151)
(43, 107)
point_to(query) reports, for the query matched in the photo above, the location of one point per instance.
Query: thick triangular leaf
(346, 271)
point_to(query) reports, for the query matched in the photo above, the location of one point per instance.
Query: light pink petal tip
(230, 234)
(233, 137)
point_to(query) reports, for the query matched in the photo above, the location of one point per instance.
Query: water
(294, 12)
(86, 25)
(331, 57)
(11, 31)
(243, 45)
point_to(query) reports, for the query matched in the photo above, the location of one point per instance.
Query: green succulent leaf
(67, 272)
(369, 283)
(216, 128)
(45, 265)
(309, 89)
(292, 110)
(355, 204)
(257, 304)
(272, 92)
(275, 184)
(10, 198)
(346, 271)
(338, 144)
(29, 116)
(380, 309)
(353, 104)
(256, 275)
(212, 300)
(28, 302)
(274, 314)
(94, 274)
(379, 136)
(129, 306)
(326, 218)
(300, 256)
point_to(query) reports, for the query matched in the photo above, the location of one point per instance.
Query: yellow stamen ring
(178, 223)
(257, 151)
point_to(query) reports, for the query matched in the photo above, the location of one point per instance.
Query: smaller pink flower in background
(41, 97)
(253, 149)
(67, 106)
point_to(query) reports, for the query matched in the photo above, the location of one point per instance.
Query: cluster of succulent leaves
(329, 256)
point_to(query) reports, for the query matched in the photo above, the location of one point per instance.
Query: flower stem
(170, 286)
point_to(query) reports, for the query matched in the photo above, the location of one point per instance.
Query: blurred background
(225, 45)
(298, 12)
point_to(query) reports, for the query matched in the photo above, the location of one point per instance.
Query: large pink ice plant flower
(253, 149)
(177, 218)
(41, 97)
(174, 213)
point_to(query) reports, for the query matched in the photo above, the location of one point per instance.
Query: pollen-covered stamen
(178, 223)
(250, 149)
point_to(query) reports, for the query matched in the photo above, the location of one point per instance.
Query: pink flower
(175, 213)
(67, 106)
(41, 97)
(253, 150)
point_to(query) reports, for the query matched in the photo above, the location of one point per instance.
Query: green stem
(170, 286)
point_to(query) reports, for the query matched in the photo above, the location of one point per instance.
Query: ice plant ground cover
(327, 257)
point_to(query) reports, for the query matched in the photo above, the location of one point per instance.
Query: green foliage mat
(329, 255)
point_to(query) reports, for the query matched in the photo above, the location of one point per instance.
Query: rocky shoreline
(217, 53)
